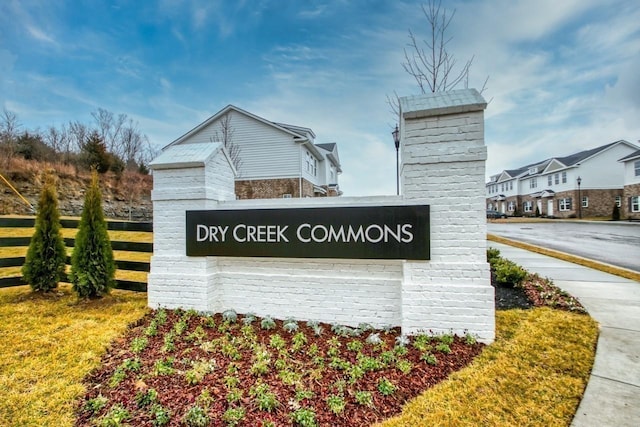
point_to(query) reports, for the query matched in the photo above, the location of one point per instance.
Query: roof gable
(332, 153)
(211, 120)
(553, 165)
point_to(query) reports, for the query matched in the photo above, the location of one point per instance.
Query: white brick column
(185, 177)
(443, 165)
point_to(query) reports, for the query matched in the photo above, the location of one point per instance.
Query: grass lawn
(534, 374)
(49, 343)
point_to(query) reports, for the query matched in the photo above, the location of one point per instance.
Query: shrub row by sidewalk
(540, 291)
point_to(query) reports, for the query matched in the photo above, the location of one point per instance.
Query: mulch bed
(324, 368)
(319, 380)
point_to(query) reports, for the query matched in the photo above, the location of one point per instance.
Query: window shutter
(630, 204)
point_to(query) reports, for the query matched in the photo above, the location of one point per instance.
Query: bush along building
(631, 195)
(584, 184)
(271, 160)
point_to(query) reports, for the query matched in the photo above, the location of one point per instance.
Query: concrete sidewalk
(612, 397)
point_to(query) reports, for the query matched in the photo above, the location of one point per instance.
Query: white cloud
(40, 35)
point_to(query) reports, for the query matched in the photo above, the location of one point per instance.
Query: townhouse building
(631, 194)
(583, 184)
(272, 160)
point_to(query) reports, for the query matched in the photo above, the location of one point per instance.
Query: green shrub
(615, 215)
(493, 255)
(508, 273)
(46, 256)
(92, 266)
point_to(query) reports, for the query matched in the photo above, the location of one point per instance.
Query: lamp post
(579, 180)
(396, 140)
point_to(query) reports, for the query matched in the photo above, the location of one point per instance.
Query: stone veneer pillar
(443, 165)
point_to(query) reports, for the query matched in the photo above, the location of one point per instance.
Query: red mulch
(177, 395)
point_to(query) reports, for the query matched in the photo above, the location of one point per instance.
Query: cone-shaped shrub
(92, 265)
(46, 256)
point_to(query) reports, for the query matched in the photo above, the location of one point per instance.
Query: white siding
(265, 151)
(630, 177)
(604, 171)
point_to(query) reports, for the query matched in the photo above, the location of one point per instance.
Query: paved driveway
(616, 243)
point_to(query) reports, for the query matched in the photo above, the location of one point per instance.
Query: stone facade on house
(587, 184)
(631, 190)
(281, 188)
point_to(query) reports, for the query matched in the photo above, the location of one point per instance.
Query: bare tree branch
(226, 138)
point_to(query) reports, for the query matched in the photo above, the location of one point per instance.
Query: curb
(586, 262)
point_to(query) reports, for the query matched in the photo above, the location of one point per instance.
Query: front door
(540, 207)
(550, 207)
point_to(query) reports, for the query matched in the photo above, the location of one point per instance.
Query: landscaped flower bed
(178, 367)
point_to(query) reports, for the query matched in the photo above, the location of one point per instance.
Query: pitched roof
(285, 128)
(583, 155)
(632, 156)
(332, 155)
(568, 161)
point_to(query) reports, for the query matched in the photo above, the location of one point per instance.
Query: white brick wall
(443, 161)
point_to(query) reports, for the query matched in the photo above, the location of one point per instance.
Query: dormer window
(533, 170)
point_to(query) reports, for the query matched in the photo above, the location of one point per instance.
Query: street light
(579, 180)
(396, 140)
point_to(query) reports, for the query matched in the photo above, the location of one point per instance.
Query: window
(511, 185)
(512, 206)
(527, 206)
(636, 167)
(618, 201)
(549, 180)
(585, 202)
(533, 183)
(556, 177)
(311, 164)
(635, 203)
(502, 187)
(564, 204)
(286, 196)
(564, 177)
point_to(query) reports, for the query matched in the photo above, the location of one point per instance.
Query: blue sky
(563, 75)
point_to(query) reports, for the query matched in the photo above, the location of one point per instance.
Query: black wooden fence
(72, 223)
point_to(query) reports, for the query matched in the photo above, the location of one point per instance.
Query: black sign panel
(387, 232)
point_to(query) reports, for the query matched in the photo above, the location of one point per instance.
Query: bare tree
(9, 132)
(225, 136)
(433, 67)
(56, 139)
(109, 127)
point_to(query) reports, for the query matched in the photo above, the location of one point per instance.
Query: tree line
(110, 142)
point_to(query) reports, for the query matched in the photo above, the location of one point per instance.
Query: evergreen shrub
(92, 265)
(45, 261)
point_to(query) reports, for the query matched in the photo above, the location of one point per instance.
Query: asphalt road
(614, 243)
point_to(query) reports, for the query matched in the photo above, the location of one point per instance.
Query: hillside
(125, 197)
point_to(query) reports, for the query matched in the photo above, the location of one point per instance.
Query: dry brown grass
(534, 374)
(49, 343)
